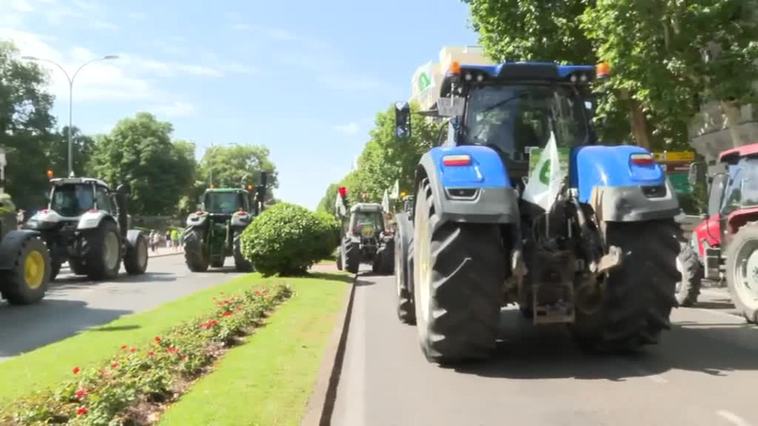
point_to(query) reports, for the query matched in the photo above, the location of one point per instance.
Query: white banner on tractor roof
(546, 178)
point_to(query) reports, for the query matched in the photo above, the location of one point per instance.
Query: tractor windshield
(367, 224)
(514, 118)
(742, 187)
(224, 202)
(72, 200)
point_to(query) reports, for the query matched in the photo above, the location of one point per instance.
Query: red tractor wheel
(742, 271)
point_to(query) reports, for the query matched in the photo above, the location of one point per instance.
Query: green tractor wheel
(241, 264)
(27, 279)
(195, 253)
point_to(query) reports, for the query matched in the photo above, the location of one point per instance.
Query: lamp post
(70, 79)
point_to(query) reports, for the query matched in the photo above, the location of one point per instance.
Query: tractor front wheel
(26, 281)
(458, 271)
(742, 271)
(352, 256)
(135, 261)
(639, 294)
(405, 310)
(195, 252)
(688, 288)
(241, 264)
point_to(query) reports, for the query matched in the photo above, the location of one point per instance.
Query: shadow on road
(23, 328)
(548, 352)
(81, 281)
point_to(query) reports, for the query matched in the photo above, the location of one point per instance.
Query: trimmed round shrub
(287, 239)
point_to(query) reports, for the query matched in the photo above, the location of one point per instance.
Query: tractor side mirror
(696, 173)
(124, 189)
(402, 120)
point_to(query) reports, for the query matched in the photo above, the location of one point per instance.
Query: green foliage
(327, 201)
(138, 377)
(329, 229)
(25, 127)
(139, 151)
(385, 159)
(56, 152)
(226, 166)
(287, 239)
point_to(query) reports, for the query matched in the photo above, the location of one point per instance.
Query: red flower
(80, 393)
(81, 411)
(133, 349)
(151, 353)
(258, 293)
(226, 314)
(123, 347)
(172, 350)
(157, 339)
(76, 370)
(114, 365)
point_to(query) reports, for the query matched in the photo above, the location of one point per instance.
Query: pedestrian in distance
(153, 241)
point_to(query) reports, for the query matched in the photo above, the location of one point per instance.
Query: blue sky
(304, 78)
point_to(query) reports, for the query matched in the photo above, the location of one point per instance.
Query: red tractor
(724, 246)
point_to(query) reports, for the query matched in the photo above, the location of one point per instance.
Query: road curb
(321, 402)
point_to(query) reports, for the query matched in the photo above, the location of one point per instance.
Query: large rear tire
(195, 251)
(135, 261)
(241, 264)
(352, 256)
(459, 269)
(639, 294)
(688, 288)
(77, 266)
(103, 251)
(27, 279)
(405, 310)
(742, 271)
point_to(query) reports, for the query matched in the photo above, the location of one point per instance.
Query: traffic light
(402, 120)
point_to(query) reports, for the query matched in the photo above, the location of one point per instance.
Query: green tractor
(24, 257)
(213, 231)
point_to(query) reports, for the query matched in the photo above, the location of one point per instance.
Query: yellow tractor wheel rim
(34, 269)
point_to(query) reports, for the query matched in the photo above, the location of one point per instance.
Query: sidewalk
(163, 251)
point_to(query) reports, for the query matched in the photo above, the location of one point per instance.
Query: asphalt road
(74, 303)
(704, 372)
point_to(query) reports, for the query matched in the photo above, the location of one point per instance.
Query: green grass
(49, 365)
(267, 380)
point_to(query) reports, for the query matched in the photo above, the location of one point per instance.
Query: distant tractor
(213, 232)
(365, 239)
(724, 246)
(24, 258)
(87, 225)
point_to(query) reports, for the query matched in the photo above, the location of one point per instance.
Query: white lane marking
(733, 418)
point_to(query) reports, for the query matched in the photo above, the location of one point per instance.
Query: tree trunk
(638, 124)
(731, 113)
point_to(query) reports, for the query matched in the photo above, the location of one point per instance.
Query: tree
(328, 200)
(139, 152)
(56, 152)
(227, 165)
(25, 127)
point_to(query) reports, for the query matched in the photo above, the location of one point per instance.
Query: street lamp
(70, 98)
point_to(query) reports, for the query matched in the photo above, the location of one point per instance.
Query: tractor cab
(225, 202)
(73, 197)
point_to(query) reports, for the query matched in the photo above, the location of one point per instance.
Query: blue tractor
(519, 204)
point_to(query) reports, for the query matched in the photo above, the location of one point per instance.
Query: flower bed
(135, 385)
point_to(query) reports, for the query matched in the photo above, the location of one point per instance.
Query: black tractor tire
(639, 294)
(136, 258)
(55, 269)
(742, 271)
(459, 269)
(195, 252)
(241, 264)
(688, 288)
(339, 258)
(218, 262)
(386, 257)
(77, 266)
(352, 256)
(27, 279)
(405, 310)
(101, 262)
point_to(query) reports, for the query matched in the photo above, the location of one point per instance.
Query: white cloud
(100, 24)
(22, 6)
(174, 109)
(349, 129)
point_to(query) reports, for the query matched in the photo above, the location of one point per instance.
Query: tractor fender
(92, 219)
(479, 192)
(240, 219)
(131, 237)
(43, 219)
(196, 219)
(10, 245)
(620, 190)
